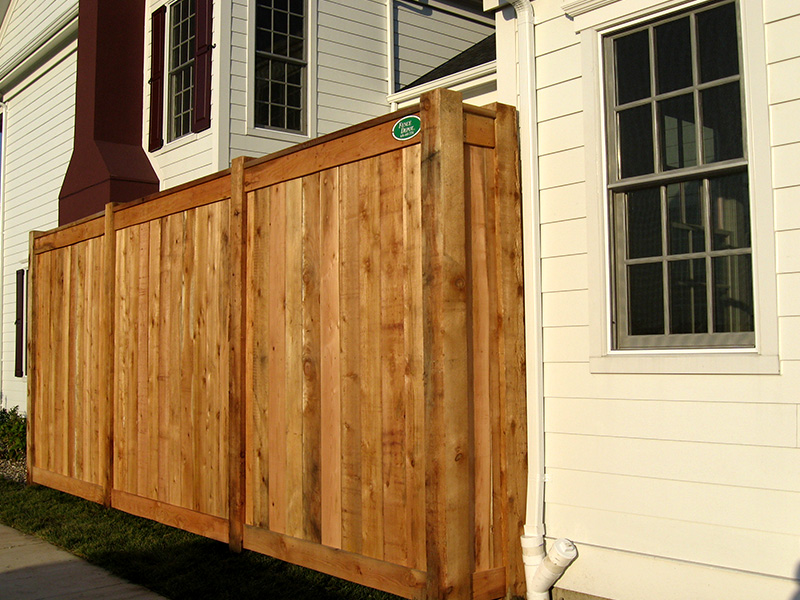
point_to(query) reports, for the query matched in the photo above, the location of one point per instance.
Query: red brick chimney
(108, 162)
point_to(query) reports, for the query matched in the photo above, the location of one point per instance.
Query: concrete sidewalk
(31, 569)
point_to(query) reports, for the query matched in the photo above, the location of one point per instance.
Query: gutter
(61, 31)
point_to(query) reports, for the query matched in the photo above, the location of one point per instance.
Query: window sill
(184, 140)
(686, 362)
(278, 135)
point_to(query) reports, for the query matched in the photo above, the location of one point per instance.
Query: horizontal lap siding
(171, 354)
(350, 64)
(334, 303)
(42, 108)
(24, 23)
(641, 463)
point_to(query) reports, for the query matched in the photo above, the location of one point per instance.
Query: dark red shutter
(202, 65)
(19, 326)
(158, 34)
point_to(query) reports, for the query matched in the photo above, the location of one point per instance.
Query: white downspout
(541, 569)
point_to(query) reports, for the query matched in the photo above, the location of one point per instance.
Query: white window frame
(169, 105)
(594, 19)
(310, 93)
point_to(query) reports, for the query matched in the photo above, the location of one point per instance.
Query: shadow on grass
(173, 563)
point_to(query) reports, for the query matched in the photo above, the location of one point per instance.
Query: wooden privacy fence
(317, 355)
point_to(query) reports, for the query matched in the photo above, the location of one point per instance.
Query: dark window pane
(688, 307)
(293, 117)
(722, 123)
(281, 5)
(296, 48)
(263, 16)
(280, 44)
(280, 22)
(644, 223)
(294, 74)
(294, 97)
(636, 141)
(296, 6)
(262, 114)
(646, 299)
(276, 116)
(262, 90)
(296, 26)
(686, 231)
(678, 133)
(632, 54)
(278, 93)
(733, 293)
(673, 56)
(263, 40)
(718, 43)
(278, 71)
(730, 211)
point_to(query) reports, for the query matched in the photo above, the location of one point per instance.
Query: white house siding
(347, 72)
(672, 486)
(26, 23)
(193, 155)
(431, 33)
(38, 129)
(352, 63)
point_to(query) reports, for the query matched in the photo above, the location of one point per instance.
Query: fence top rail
(346, 145)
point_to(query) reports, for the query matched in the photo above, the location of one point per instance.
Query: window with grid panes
(678, 183)
(280, 64)
(181, 68)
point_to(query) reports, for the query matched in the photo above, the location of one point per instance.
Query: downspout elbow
(542, 569)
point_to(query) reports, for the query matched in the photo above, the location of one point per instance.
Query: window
(181, 68)
(280, 64)
(678, 183)
(186, 50)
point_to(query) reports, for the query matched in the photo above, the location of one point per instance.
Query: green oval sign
(406, 128)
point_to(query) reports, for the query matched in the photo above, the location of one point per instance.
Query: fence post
(32, 366)
(106, 350)
(508, 228)
(449, 473)
(238, 361)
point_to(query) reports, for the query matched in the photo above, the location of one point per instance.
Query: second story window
(280, 64)
(181, 68)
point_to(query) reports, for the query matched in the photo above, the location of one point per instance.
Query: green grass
(170, 562)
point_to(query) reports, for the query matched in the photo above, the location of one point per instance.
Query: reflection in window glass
(688, 307)
(733, 293)
(730, 211)
(722, 123)
(685, 210)
(678, 133)
(644, 223)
